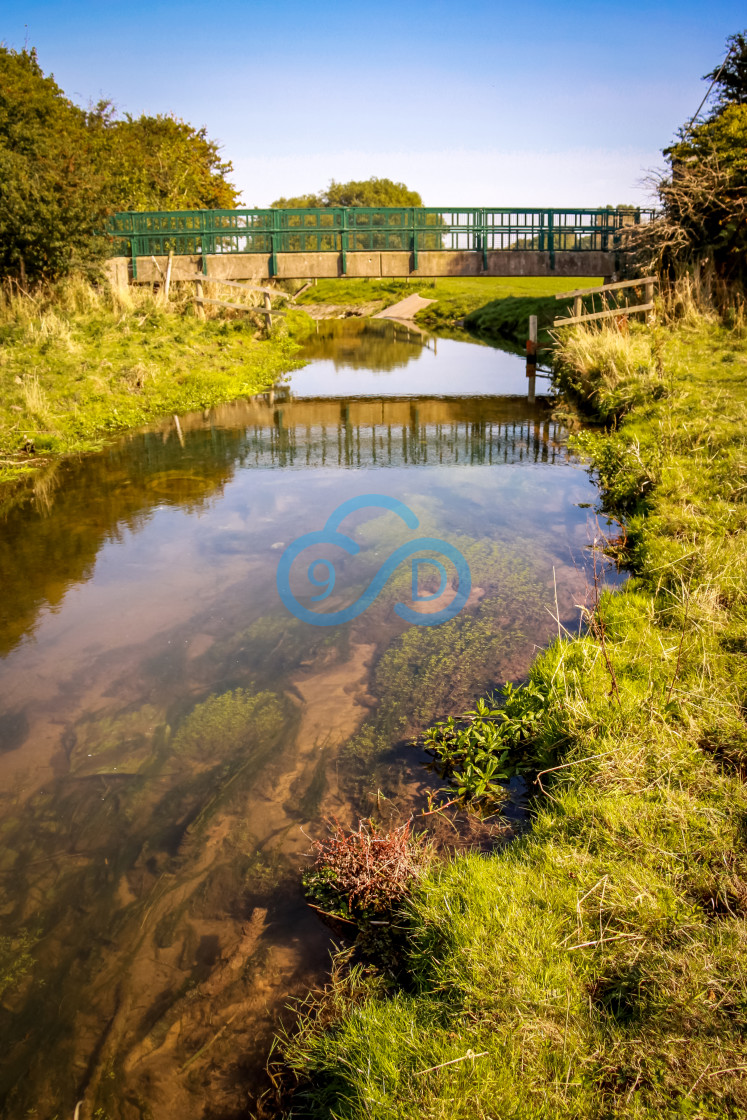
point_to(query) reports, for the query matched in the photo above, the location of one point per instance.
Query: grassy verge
(456, 296)
(507, 320)
(597, 967)
(78, 365)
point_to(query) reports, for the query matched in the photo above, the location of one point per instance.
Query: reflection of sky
(184, 560)
(455, 369)
(178, 563)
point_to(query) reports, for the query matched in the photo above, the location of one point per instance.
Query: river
(174, 730)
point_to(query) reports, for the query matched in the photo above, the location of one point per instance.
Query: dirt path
(341, 310)
(406, 308)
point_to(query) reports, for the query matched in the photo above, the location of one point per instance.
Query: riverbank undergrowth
(597, 967)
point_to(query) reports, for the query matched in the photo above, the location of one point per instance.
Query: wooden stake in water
(532, 358)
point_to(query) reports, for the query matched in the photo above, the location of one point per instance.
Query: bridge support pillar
(117, 271)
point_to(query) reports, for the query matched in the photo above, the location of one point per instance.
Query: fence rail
(647, 283)
(366, 229)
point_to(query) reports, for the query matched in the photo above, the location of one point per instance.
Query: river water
(173, 732)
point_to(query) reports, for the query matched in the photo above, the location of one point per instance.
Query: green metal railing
(366, 229)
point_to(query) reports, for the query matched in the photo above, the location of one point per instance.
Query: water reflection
(423, 365)
(60, 521)
(171, 735)
(380, 344)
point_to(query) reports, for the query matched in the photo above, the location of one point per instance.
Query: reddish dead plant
(365, 869)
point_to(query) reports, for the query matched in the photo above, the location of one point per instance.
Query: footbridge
(361, 241)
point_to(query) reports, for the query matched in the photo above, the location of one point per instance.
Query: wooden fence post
(167, 282)
(532, 347)
(268, 305)
(199, 293)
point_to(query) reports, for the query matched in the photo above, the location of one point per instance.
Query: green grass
(597, 967)
(77, 366)
(507, 320)
(457, 296)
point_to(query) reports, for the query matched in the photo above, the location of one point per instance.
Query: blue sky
(471, 104)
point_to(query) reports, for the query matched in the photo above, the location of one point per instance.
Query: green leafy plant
(627, 470)
(478, 754)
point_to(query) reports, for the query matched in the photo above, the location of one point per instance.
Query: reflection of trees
(365, 343)
(50, 537)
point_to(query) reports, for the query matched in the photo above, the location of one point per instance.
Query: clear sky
(472, 104)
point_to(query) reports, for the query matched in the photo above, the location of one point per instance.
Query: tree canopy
(50, 190)
(730, 76)
(63, 169)
(159, 163)
(365, 192)
(704, 194)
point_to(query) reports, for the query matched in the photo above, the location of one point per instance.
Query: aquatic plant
(120, 742)
(228, 722)
(15, 960)
(478, 754)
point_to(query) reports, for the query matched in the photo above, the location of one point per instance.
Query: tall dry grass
(46, 310)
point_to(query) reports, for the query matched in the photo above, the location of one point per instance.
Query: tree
(704, 200)
(159, 163)
(366, 192)
(64, 169)
(730, 78)
(50, 189)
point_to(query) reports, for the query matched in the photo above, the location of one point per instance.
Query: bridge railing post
(481, 237)
(274, 244)
(414, 239)
(134, 250)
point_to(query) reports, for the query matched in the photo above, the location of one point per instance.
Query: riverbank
(596, 967)
(456, 297)
(78, 365)
(507, 320)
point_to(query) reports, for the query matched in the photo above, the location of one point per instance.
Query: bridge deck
(375, 242)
